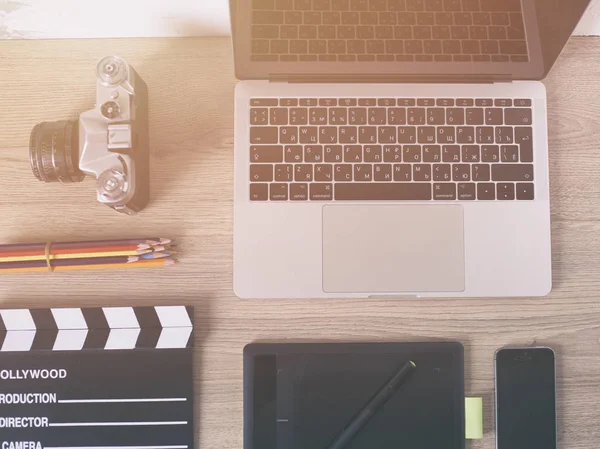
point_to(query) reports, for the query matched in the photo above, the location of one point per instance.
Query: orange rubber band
(48, 248)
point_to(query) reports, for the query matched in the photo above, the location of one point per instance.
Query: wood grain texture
(191, 123)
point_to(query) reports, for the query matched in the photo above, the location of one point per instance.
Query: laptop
(394, 148)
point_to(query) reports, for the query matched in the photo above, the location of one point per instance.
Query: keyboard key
(505, 191)
(415, 5)
(425, 18)
(442, 172)
(411, 153)
(464, 102)
(384, 32)
(422, 172)
(328, 134)
(455, 116)
(522, 103)
(308, 102)
(284, 173)
(422, 32)
(293, 153)
(402, 172)
(466, 191)
(407, 134)
(452, 47)
(363, 172)
(353, 153)
(490, 47)
(516, 30)
(501, 5)
(523, 136)
(323, 173)
(413, 47)
(494, 116)
(383, 192)
(367, 134)
(259, 116)
(490, 153)
(470, 153)
(302, 4)
(321, 192)
(299, 192)
(369, 18)
(298, 116)
(440, 32)
(264, 154)
(313, 153)
(321, 5)
(486, 191)
(482, 18)
(333, 153)
(509, 153)
(350, 18)
(261, 173)
(383, 172)
(396, 116)
(397, 5)
(481, 172)
(525, 191)
(279, 192)
(416, 116)
(451, 153)
(357, 116)
(263, 135)
(279, 116)
(465, 134)
(387, 134)
(459, 32)
(461, 172)
(308, 134)
(518, 116)
(426, 134)
(293, 18)
(348, 134)
(512, 172)
(259, 192)
(436, 116)
(444, 191)
(485, 134)
(372, 153)
(392, 153)
(432, 153)
(288, 134)
(303, 173)
(513, 47)
(446, 134)
(343, 172)
(504, 134)
(388, 18)
(267, 17)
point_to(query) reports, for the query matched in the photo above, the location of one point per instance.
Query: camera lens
(54, 152)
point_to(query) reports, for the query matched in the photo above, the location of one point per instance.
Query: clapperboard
(96, 378)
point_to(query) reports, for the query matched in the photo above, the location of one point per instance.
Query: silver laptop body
(393, 148)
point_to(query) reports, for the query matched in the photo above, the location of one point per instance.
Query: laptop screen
(441, 40)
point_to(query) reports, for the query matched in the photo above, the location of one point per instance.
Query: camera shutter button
(113, 185)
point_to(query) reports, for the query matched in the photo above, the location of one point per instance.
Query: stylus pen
(384, 394)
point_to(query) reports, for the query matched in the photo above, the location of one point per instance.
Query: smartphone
(525, 398)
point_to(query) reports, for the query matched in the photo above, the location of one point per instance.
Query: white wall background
(38, 19)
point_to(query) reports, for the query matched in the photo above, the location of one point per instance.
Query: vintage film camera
(109, 142)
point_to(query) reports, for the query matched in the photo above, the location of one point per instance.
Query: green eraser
(474, 418)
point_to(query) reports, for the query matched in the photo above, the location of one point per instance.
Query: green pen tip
(413, 364)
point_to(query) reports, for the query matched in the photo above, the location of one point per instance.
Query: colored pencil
(34, 246)
(141, 264)
(74, 256)
(83, 249)
(68, 262)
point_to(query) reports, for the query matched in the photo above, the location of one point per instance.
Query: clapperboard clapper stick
(112, 377)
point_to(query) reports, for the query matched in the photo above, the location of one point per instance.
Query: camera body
(109, 142)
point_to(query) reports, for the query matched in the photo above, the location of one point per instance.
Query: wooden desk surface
(191, 85)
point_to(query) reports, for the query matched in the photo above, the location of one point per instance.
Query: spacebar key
(382, 191)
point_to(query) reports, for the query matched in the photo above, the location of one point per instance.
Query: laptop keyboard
(355, 149)
(388, 30)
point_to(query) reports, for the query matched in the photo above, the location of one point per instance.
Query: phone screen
(525, 399)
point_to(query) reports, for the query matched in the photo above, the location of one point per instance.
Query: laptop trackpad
(393, 248)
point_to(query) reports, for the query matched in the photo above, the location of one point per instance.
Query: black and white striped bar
(110, 328)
